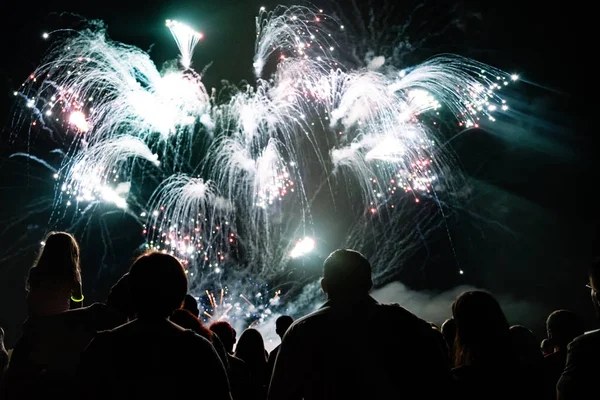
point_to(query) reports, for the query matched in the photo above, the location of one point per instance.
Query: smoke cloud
(437, 307)
(430, 306)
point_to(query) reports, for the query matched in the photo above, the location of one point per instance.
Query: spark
(186, 39)
(78, 120)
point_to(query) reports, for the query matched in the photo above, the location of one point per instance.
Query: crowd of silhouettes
(147, 341)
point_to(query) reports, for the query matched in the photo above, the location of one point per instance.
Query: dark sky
(530, 228)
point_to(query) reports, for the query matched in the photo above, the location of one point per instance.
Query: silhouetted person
(449, 332)
(3, 355)
(281, 326)
(191, 304)
(529, 357)
(151, 357)
(239, 373)
(329, 355)
(45, 358)
(546, 347)
(187, 320)
(120, 300)
(487, 366)
(226, 333)
(437, 333)
(251, 349)
(54, 281)
(526, 348)
(580, 376)
(562, 326)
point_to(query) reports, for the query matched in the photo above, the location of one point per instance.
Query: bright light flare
(303, 247)
(78, 120)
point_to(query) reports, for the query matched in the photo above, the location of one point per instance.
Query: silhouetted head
(158, 284)
(482, 331)
(594, 275)
(251, 347)
(346, 274)
(119, 298)
(187, 320)
(449, 331)
(562, 327)
(525, 345)
(191, 304)
(226, 334)
(282, 324)
(547, 347)
(58, 259)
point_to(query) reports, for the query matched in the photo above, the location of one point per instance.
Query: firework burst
(244, 172)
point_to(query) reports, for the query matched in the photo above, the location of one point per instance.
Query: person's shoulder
(102, 344)
(189, 337)
(274, 352)
(589, 339)
(233, 360)
(395, 312)
(463, 372)
(308, 320)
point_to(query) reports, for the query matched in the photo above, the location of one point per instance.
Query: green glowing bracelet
(77, 300)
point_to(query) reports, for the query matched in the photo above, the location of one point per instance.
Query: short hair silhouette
(119, 297)
(225, 332)
(562, 327)
(346, 273)
(547, 347)
(187, 320)
(525, 345)
(58, 259)
(282, 324)
(191, 304)
(158, 284)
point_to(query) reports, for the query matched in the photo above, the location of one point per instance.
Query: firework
(304, 246)
(245, 171)
(186, 39)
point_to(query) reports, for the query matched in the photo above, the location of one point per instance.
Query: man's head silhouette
(158, 284)
(346, 274)
(282, 324)
(562, 326)
(226, 334)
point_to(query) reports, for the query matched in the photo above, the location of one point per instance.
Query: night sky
(529, 228)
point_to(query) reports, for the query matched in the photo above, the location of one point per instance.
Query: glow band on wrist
(77, 300)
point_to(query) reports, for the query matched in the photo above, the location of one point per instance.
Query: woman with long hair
(487, 366)
(251, 349)
(54, 281)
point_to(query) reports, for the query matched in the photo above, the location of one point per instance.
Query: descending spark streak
(36, 159)
(190, 209)
(294, 30)
(119, 88)
(186, 39)
(92, 173)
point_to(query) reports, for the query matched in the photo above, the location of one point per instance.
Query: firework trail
(245, 173)
(186, 39)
